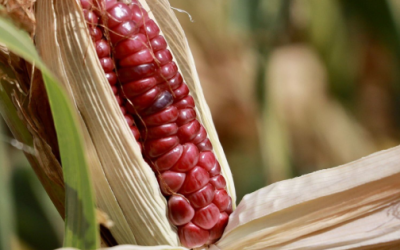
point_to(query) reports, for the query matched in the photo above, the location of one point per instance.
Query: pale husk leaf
(352, 206)
(132, 197)
(169, 24)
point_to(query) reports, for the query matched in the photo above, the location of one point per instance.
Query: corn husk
(351, 206)
(126, 188)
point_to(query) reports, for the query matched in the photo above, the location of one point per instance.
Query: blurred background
(294, 86)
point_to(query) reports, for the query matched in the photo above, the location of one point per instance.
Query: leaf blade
(81, 227)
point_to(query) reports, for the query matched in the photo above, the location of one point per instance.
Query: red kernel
(138, 87)
(131, 45)
(91, 18)
(109, 4)
(188, 131)
(150, 28)
(163, 57)
(179, 210)
(166, 161)
(186, 102)
(112, 78)
(118, 14)
(102, 48)
(164, 100)
(218, 229)
(216, 170)
(123, 31)
(207, 160)
(201, 135)
(107, 64)
(195, 179)
(168, 115)
(218, 181)
(155, 148)
(145, 100)
(205, 145)
(206, 217)
(134, 73)
(221, 199)
(139, 15)
(176, 81)
(160, 131)
(171, 182)
(166, 72)
(203, 197)
(193, 236)
(185, 116)
(189, 158)
(135, 132)
(181, 92)
(140, 57)
(158, 43)
(95, 33)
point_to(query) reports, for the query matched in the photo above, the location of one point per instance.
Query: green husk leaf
(81, 227)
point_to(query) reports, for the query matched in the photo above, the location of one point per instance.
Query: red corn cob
(175, 144)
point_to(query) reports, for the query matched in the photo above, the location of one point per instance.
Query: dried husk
(126, 188)
(351, 206)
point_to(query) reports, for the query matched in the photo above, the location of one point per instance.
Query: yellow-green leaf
(81, 229)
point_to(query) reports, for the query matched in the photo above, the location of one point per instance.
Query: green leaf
(81, 230)
(6, 222)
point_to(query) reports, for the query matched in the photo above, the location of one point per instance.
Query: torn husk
(126, 187)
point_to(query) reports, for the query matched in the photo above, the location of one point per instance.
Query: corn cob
(150, 90)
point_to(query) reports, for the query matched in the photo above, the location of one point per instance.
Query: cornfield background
(293, 85)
